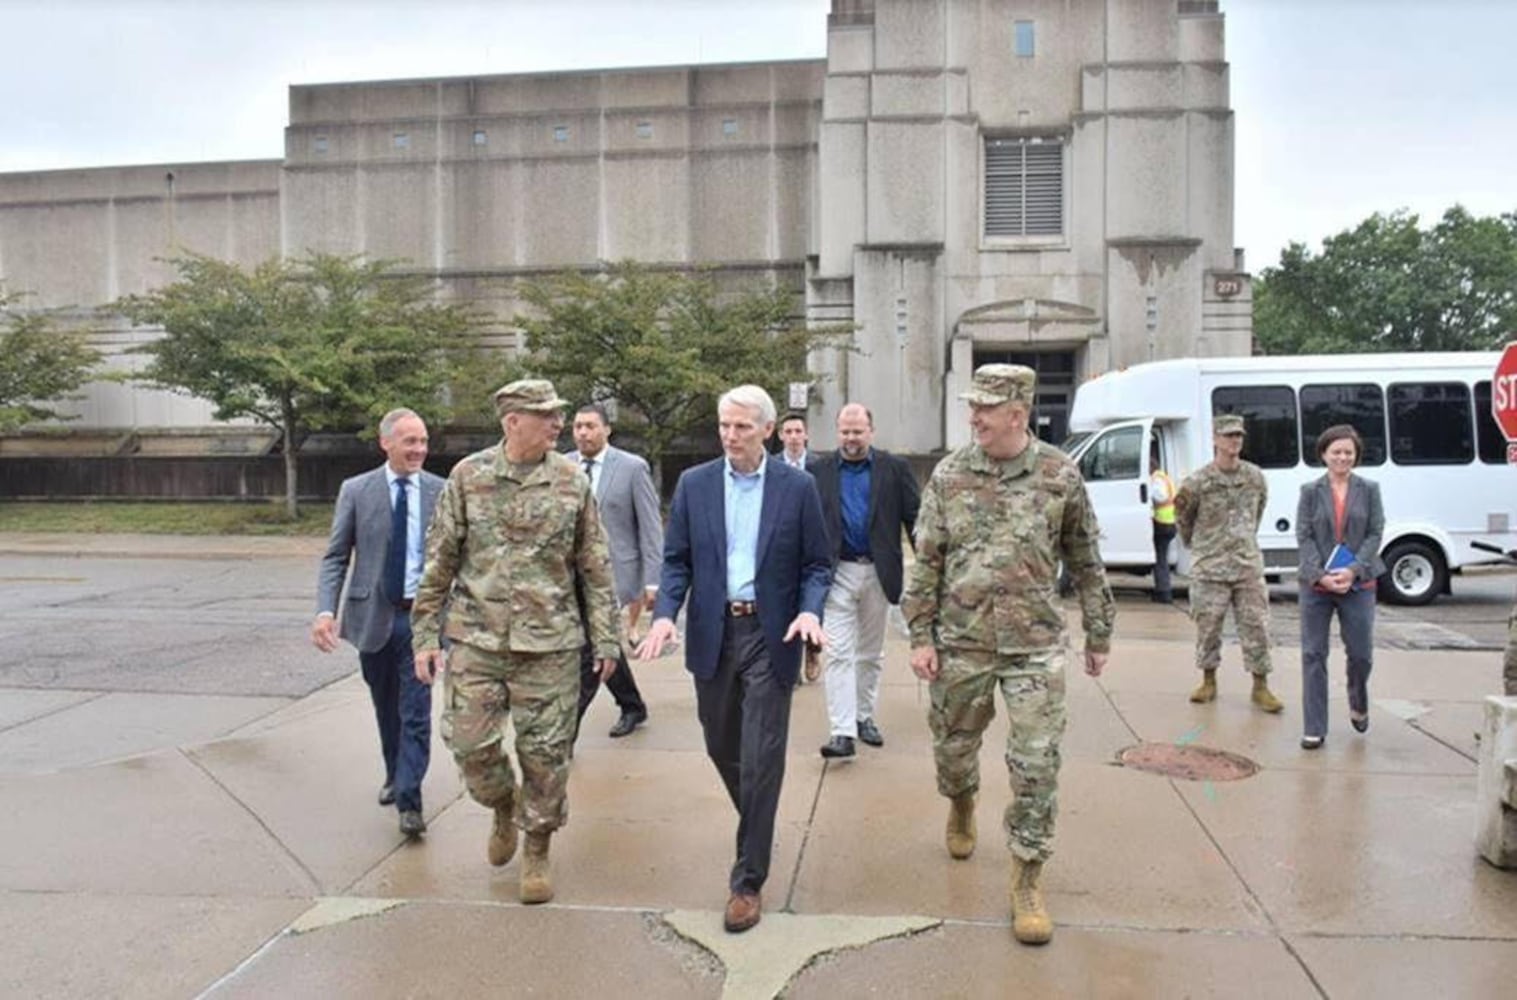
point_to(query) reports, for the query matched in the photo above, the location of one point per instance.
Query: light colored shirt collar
(762, 466)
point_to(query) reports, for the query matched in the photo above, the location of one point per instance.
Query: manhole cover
(1191, 762)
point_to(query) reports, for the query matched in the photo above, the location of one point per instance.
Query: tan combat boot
(502, 846)
(1030, 922)
(1208, 689)
(960, 836)
(536, 884)
(1263, 696)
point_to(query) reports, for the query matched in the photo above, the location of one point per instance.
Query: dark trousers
(1356, 620)
(403, 709)
(745, 714)
(1163, 535)
(622, 685)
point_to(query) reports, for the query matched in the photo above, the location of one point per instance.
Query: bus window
(1487, 435)
(1117, 455)
(1269, 413)
(1430, 424)
(1361, 406)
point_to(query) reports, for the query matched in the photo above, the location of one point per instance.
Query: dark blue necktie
(395, 558)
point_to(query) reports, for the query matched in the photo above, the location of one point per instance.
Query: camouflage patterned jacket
(989, 539)
(505, 554)
(1218, 516)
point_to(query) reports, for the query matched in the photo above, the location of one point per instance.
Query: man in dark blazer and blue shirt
(380, 528)
(868, 497)
(746, 544)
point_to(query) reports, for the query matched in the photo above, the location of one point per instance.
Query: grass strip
(167, 518)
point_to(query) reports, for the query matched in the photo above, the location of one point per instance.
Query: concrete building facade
(1042, 181)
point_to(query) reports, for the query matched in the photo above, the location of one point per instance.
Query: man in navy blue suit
(747, 545)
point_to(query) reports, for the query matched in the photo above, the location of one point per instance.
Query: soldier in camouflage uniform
(1217, 512)
(996, 519)
(515, 535)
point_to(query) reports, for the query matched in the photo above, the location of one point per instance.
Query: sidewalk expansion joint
(285, 848)
(53, 711)
(800, 855)
(1253, 896)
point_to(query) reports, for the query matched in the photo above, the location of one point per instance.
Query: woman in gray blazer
(1339, 509)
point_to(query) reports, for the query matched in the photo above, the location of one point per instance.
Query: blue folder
(1342, 557)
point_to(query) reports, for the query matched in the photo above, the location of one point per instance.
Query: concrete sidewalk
(255, 862)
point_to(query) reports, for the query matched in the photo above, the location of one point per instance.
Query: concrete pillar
(1496, 784)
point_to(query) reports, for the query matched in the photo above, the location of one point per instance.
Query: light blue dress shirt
(413, 525)
(743, 498)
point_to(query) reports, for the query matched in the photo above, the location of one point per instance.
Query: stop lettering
(1504, 393)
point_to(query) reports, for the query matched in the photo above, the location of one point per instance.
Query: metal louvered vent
(1024, 187)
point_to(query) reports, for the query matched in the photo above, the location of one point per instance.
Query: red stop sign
(1504, 393)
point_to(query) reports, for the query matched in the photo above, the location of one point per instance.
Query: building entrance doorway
(1056, 386)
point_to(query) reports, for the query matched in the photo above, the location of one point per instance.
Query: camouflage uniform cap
(996, 384)
(1227, 423)
(535, 395)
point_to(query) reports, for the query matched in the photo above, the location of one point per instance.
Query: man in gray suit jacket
(380, 528)
(628, 503)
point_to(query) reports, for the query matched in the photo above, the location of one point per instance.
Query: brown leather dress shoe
(743, 911)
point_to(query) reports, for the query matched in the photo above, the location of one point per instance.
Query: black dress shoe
(870, 733)
(387, 794)
(1311, 743)
(628, 722)
(839, 746)
(1360, 725)
(411, 823)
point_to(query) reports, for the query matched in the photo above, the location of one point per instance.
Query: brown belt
(741, 609)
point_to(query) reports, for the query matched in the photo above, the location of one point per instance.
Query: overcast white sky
(1344, 107)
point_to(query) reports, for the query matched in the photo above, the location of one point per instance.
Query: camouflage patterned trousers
(1509, 662)
(1209, 601)
(540, 692)
(963, 703)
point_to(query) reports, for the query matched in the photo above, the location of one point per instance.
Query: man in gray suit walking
(628, 502)
(380, 528)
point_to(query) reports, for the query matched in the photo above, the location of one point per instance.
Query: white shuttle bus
(1429, 441)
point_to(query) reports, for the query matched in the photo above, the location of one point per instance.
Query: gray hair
(389, 420)
(750, 397)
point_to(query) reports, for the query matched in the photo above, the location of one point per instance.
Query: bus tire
(1415, 574)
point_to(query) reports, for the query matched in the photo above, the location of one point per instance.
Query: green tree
(664, 345)
(324, 342)
(39, 364)
(1390, 285)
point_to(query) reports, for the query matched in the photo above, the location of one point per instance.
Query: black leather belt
(858, 559)
(741, 609)
(404, 604)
